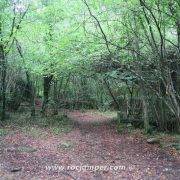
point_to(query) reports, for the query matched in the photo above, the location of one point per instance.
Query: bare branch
(99, 25)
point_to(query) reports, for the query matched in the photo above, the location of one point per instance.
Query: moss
(65, 145)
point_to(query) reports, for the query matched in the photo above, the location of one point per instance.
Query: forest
(89, 89)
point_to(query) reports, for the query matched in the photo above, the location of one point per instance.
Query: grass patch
(60, 124)
(96, 123)
(26, 149)
(35, 126)
(66, 145)
(121, 128)
(62, 129)
(3, 132)
(33, 131)
(108, 114)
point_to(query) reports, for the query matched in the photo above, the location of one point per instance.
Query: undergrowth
(3, 132)
(34, 126)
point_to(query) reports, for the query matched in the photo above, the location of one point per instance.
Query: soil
(92, 150)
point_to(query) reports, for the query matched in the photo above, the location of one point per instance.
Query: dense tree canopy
(108, 50)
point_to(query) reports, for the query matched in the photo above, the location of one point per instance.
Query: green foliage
(33, 126)
(26, 149)
(60, 35)
(121, 128)
(3, 132)
(77, 41)
(60, 125)
(33, 131)
(66, 145)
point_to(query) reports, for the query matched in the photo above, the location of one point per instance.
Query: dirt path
(92, 144)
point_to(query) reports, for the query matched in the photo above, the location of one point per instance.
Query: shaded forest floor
(91, 140)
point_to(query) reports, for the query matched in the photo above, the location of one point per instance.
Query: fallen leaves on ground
(86, 145)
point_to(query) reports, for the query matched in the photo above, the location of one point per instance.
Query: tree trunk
(30, 87)
(47, 84)
(55, 98)
(3, 80)
(178, 32)
(111, 94)
(32, 94)
(145, 111)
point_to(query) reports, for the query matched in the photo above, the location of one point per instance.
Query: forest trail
(93, 142)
